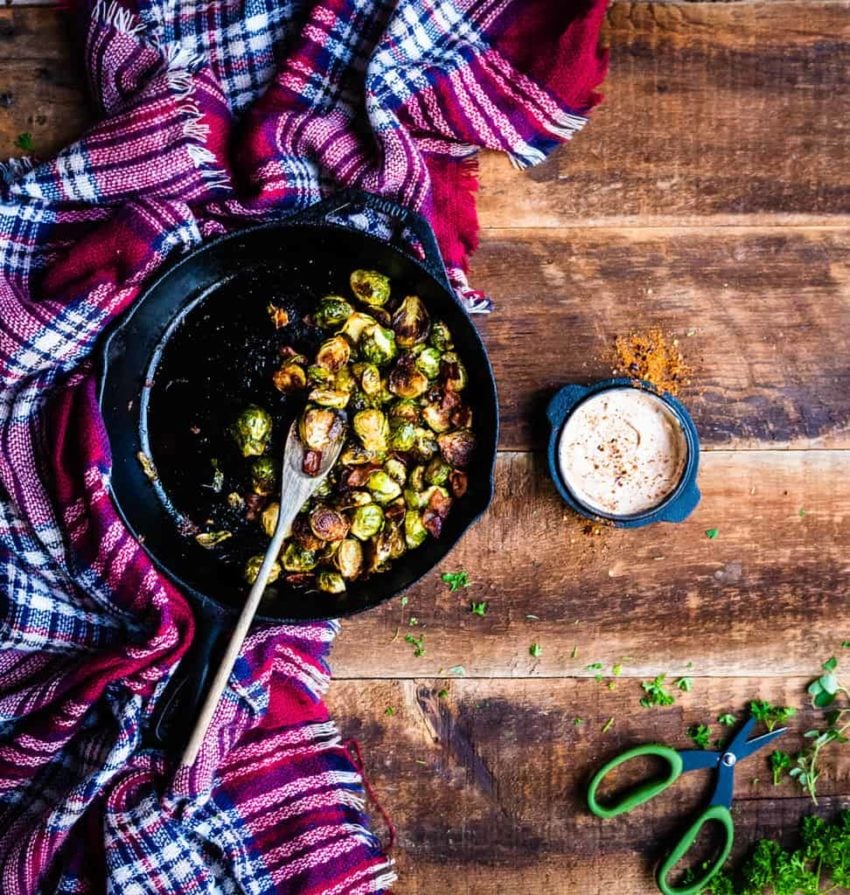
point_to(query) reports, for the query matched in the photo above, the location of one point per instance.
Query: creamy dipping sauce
(622, 451)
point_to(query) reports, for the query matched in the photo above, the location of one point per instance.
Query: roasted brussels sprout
(297, 559)
(439, 504)
(367, 521)
(320, 377)
(373, 430)
(353, 327)
(330, 582)
(415, 532)
(377, 344)
(416, 479)
(406, 381)
(263, 476)
(349, 559)
(252, 569)
(402, 436)
(437, 416)
(332, 311)
(437, 472)
(405, 409)
(328, 397)
(355, 499)
(383, 487)
(252, 431)
(268, 518)
(457, 447)
(396, 470)
(344, 380)
(411, 322)
(333, 353)
(289, 377)
(425, 446)
(328, 524)
(371, 287)
(354, 454)
(453, 373)
(441, 337)
(428, 362)
(303, 535)
(210, 539)
(369, 377)
(319, 427)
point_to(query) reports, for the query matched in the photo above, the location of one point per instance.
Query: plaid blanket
(212, 115)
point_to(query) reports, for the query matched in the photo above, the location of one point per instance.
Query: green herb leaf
(712, 533)
(535, 650)
(24, 141)
(700, 734)
(578, 721)
(685, 684)
(726, 720)
(404, 601)
(442, 694)
(413, 622)
(418, 644)
(456, 580)
(831, 664)
(479, 608)
(770, 715)
(616, 669)
(389, 710)
(607, 725)
(457, 670)
(779, 762)
(574, 653)
(656, 693)
(845, 644)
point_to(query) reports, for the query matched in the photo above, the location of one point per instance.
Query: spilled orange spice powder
(653, 357)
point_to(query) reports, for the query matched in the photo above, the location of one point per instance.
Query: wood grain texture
(767, 597)
(738, 111)
(767, 310)
(486, 785)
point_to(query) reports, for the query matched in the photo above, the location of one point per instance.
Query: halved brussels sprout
(268, 518)
(319, 376)
(437, 416)
(394, 536)
(344, 380)
(329, 397)
(355, 455)
(333, 353)
(370, 378)
(411, 322)
(402, 436)
(372, 428)
(263, 476)
(416, 479)
(439, 504)
(210, 539)
(441, 337)
(378, 553)
(297, 559)
(457, 447)
(405, 409)
(303, 536)
(319, 427)
(383, 487)
(353, 327)
(437, 472)
(415, 532)
(377, 344)
(330, 582)
(371, 287)
(332, 311)
(396, 470)
(425, 446)
(327, 524)
(289, 377)
(354, 499)
(367, 521)
(406, 381)
(252, 569)
(349, 558)
(428, 362)
(252, 431)
(453, 372)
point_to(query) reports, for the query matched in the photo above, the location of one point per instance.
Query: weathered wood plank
(730, 110)
(737, 111)
(768, 312)
(486, 785)
(768, 597)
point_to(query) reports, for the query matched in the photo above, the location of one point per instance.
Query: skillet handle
(405, 218)
(177, 708)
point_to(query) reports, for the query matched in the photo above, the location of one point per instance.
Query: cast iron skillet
(210, 304)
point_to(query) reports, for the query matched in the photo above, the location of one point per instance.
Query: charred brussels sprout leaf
(252, 431)
(356, 455)
(349, 559)
(333, 353)
(369, 377)
(428, 362)
(372, 428)
(268, 518)
(457, 447)
(440, 337)
(319, 376)
(411, 322)
(290, 377)
(297, 559)
(425, 446)
(402, 436)
(328, 524)
(405, 409)
(318, 427)
(396, 470)
(437, 416)
(416, 479)
(383, 487)
(330, 582)
(415, 532)
(353, 327)
(252, 569)
(371, 287)
(453, 373)
(263, 476)
(328, 397)
(406, 381)
(332, 311)
(367, 521)
(377, 344)
(210, 539)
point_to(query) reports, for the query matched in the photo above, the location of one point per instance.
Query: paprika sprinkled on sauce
(622, 451)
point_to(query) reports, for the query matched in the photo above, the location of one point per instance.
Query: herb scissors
(681, 761)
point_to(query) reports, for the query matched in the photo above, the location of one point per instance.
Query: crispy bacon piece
(312, 462)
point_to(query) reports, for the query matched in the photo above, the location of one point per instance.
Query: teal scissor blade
(747, 748)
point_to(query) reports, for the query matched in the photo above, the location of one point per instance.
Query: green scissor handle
(723, 816)
(643, 792)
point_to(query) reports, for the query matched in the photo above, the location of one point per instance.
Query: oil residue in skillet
(219, 359)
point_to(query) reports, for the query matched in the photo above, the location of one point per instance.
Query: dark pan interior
(209, 308)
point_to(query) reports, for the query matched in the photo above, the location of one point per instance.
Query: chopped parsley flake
(700, 734)
(535, 650)
(712, 533)
(418, 644)
(656, 693)
(479, 608)
(24, 141)
(456, 580)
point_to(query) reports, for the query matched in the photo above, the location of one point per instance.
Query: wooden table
(710, 196)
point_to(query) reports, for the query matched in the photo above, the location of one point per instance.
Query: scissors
(680, 762)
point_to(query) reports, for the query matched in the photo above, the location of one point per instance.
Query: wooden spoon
(296, 488)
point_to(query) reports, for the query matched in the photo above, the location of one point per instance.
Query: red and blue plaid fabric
(213, 115)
